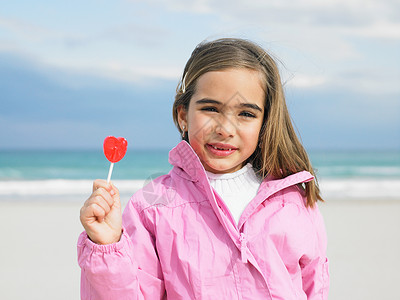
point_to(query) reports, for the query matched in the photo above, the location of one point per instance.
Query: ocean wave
(360, 188)
(76, 189)
(359, 171)
(80, 189)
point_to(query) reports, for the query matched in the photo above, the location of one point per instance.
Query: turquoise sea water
(56, 175)
(58, 164)
(356, 164)
(141, 164)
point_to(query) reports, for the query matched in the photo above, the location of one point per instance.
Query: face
(224, 118)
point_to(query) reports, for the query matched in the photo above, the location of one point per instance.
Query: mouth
(221, 149)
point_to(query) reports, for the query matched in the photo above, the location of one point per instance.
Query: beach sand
(363, 248)
(38, 249)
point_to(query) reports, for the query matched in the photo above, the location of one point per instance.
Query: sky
(73, 72)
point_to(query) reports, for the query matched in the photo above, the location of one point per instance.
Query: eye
(247, 114)
(209, 108)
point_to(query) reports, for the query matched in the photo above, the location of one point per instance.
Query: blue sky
(73, 72)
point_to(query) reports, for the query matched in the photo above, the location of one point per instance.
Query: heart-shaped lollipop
(114, 150)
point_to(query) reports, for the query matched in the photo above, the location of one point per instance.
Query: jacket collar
(190, 167)
(187, 162)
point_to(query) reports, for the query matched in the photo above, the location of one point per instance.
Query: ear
(182, 116)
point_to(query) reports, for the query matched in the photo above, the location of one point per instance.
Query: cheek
(198, 146)
(200, 128)
(253, 135)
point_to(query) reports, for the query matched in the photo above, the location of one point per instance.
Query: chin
(223, 168)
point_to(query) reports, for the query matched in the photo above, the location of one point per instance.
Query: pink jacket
(181, 242)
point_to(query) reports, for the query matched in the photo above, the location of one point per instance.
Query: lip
(220, 149)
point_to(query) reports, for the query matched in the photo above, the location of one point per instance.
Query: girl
(236, 217)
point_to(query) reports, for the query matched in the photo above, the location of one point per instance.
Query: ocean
(55, 175)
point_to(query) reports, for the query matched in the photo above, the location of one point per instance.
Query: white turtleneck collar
(236, 189)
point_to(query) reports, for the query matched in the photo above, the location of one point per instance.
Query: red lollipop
(114, 150)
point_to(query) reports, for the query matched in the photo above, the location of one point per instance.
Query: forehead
(231, 86)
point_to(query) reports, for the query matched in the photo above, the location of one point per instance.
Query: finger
(114, 192)
(102, 197)
(100, 183)
(105, 194)
(99, 200)
(98, 212)
(92, 210)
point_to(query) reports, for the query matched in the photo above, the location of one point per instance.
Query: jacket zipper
(243, 247)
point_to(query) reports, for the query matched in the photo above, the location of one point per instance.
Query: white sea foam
(59, 188)
(360, 188)
(360, 171)
(81, 189)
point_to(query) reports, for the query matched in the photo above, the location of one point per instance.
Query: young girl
(236, 217)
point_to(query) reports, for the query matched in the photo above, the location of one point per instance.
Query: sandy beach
(38, 250)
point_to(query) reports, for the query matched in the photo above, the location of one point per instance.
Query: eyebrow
(212, 101)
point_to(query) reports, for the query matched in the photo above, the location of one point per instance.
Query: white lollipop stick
(110, 172)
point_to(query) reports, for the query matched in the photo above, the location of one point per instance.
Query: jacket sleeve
(129, 269)
(314, 267)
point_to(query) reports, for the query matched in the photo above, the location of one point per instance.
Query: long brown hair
(280, 152)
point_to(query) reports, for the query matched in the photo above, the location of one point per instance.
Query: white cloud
(306, 81)
(367, 18)
(378, 82)
(26, 31)
(195, 6)
(379, 29)
(315, 39)
(142, 73)
(110, 52)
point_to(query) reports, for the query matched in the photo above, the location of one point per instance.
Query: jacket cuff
(84, 241)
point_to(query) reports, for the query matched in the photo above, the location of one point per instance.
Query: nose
(225, 126)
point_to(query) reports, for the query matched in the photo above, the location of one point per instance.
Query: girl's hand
(101, 214)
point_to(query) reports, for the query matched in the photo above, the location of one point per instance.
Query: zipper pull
(243, 247)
